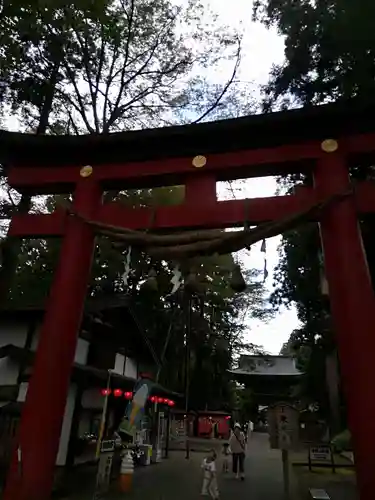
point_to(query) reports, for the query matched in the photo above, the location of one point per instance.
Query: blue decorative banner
(135, 409)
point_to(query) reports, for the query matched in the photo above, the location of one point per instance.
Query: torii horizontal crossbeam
(199, 215)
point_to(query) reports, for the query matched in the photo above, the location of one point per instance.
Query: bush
(342, 442)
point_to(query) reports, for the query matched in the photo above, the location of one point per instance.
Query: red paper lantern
(153, 399)
(128, 395)
(105, 392)
(171, 403)
(160, 400)
(117, 393)
(166, 401)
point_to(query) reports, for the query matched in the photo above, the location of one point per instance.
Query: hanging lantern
(128, 395)
(237, 282)
(117, 393)
(105, 392)
(151, 282)
(153, 399)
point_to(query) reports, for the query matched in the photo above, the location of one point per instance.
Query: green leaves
(322, 62)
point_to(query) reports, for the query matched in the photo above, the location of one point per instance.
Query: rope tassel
(125, 276)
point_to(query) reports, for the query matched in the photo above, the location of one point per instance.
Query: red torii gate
(323, 140)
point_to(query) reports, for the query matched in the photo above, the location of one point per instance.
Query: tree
(321, 62)
(96, 67)
(116, 65)
(321, 65)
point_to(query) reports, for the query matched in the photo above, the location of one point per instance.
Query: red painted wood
(38, 225)
(42, 416)
(222, 214)
(197, 215)
(365, 197)
(200, 190)
(169, 171)
(219, 215)
(359, 143)
(353, 304)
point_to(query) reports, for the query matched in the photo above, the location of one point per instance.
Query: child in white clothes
(210, 487)
(226, 454)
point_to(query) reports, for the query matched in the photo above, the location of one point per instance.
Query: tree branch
(226, 87)
(86, 62)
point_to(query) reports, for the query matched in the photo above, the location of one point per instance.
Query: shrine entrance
(323, 141)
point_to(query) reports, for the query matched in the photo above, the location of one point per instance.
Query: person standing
(210, 486)
(237, 444)
(251, 428)
(225, 453)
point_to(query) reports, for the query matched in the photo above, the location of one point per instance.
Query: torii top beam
(253, 146)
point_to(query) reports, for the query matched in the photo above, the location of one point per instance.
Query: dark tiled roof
(276, 366)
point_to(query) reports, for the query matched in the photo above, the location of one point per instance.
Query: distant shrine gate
(323, 141)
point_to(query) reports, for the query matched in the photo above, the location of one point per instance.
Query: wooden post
(42, 416)
(333, 386)
(353, 309)
(168, 434)
(187, 303)
(285, 460)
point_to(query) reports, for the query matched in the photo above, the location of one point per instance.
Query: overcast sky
(261, 48)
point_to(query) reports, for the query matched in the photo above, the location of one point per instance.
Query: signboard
(104, 469)
(107, 446)
(322, 455)
(283, 426)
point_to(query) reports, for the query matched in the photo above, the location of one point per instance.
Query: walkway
(180, 479)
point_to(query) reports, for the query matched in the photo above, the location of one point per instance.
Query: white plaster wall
(8, 372)
(82, 351)
(22, 392)
(66, 426)
(12, 332)
(67, 422)
(35, 340)
(82, 348)
(131, 370)
(119, 364)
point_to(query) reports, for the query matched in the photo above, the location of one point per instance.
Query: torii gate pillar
(353, 310)
(32, 473)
